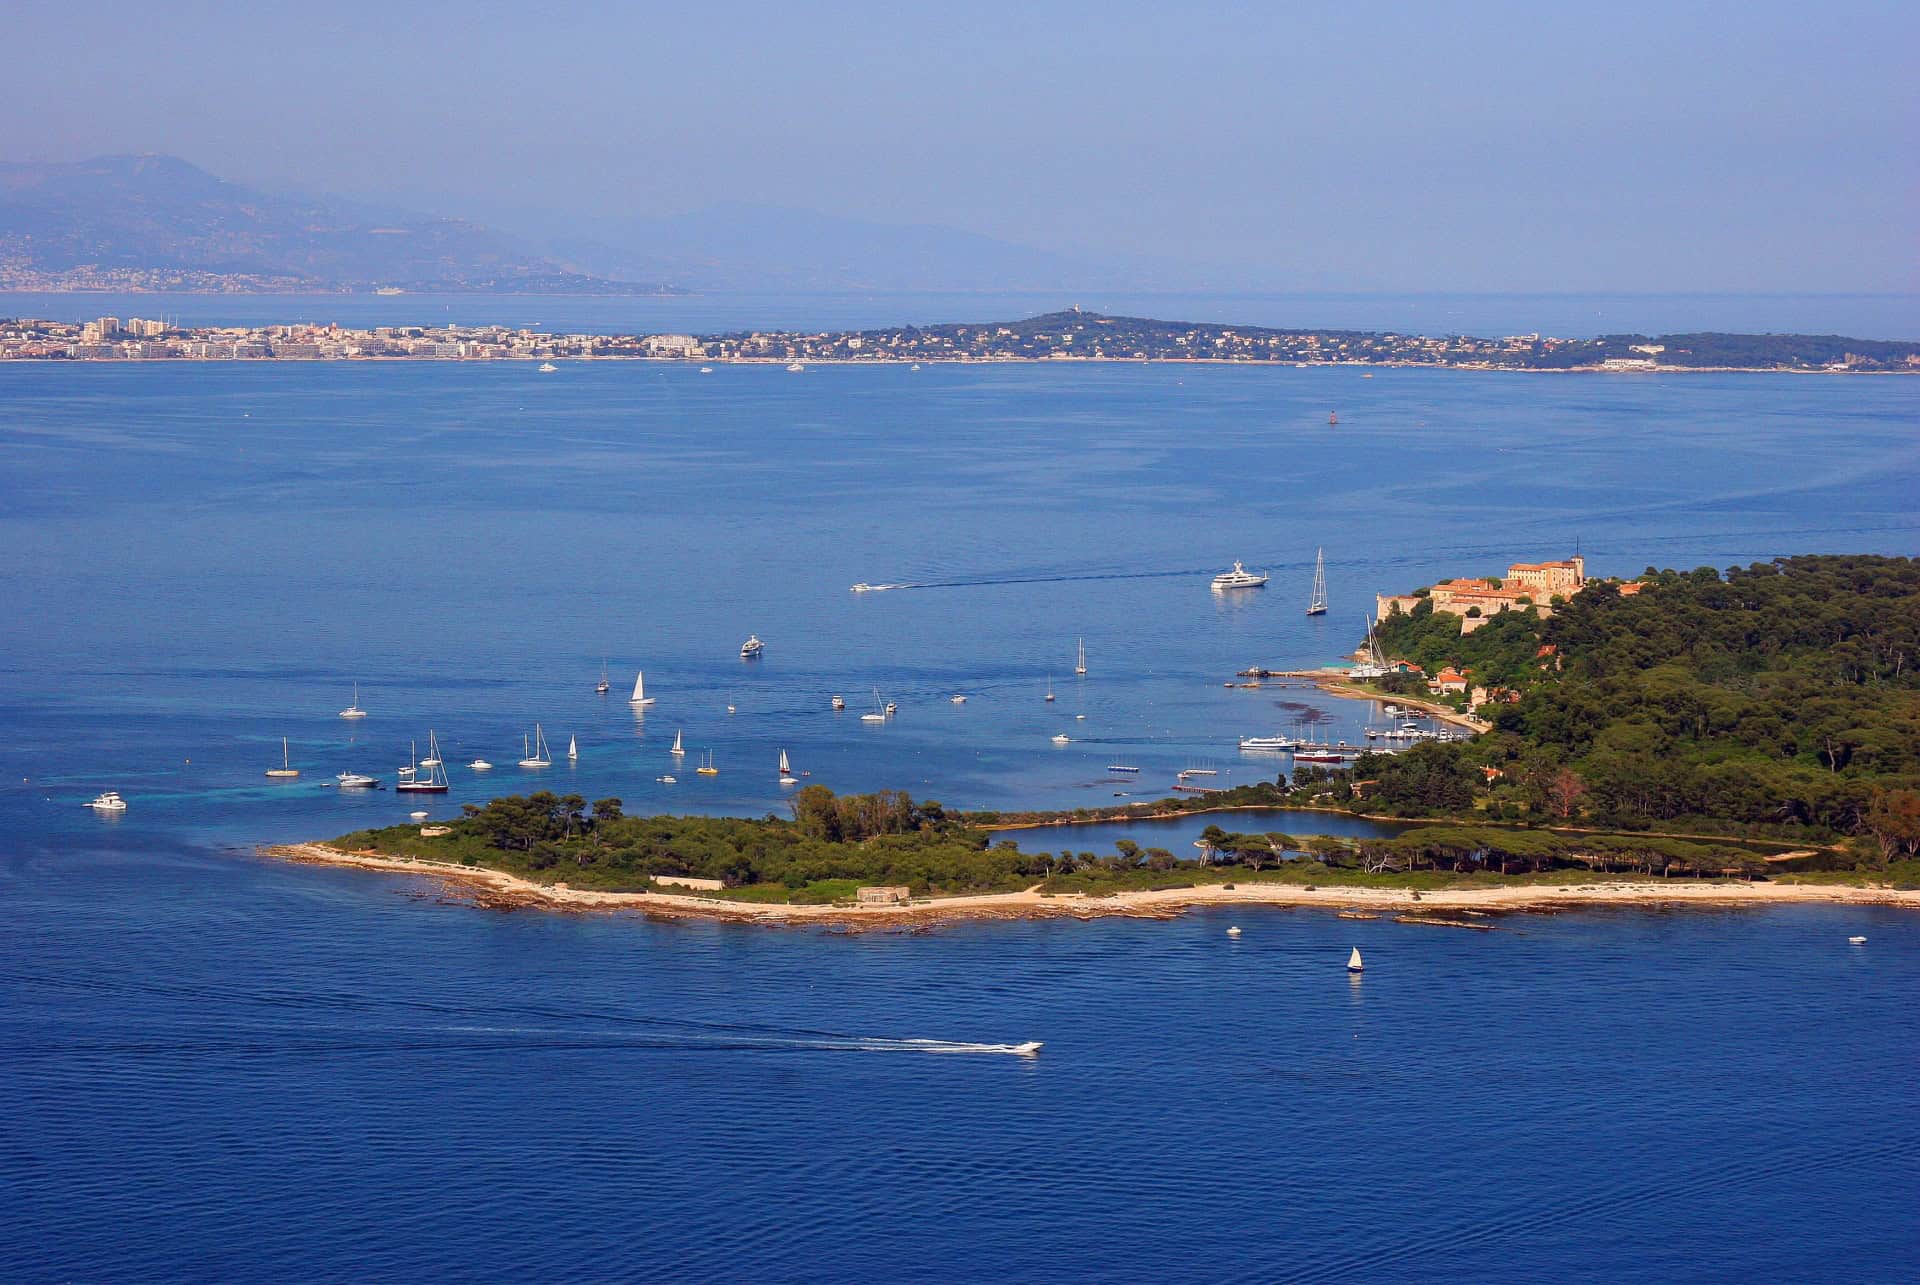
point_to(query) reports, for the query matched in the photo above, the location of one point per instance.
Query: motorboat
(667, 780)
(1277, 743)
(355, 781)
(1061, 738)
(109, 801)
(862, 587)
(957, 699)
(417, 816)
(839, 702)
(794, 368)
(547, 368)
(1239, 578)
(480, 765)
(706, 370)
(1122, 767)
(751, 647)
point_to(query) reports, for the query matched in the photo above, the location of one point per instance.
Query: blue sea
(225, 1067)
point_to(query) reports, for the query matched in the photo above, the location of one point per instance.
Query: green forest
(1779, 698)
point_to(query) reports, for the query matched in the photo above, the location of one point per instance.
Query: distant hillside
(156, 222)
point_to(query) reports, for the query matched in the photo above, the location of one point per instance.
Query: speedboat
(795, 368)
(417, 816)
(1062, 739)
(839, 702)
(1239, 578)
(862, 587)
(751, 647)
(109, 801)
(547, 368)
(706, 370)
(957, 699)
(355, 781)
(667, 780)
(481, 765)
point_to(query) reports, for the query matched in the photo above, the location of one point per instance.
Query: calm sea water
(226, 1067)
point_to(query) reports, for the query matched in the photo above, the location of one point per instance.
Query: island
(1068, 336)
(1745, 737)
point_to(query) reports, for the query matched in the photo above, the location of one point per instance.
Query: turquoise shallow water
(228, 1067)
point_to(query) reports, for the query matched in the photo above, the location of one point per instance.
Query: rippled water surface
(222, 1067)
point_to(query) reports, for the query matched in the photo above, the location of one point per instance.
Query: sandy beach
(497, 890)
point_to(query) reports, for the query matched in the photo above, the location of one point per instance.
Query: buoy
(1234, 931)
(1353, 961)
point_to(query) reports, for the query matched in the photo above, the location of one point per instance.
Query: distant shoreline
(496, 889)
(950, 361)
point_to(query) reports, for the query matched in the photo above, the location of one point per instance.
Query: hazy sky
(1494, 146)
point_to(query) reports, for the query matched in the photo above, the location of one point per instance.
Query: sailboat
(879, 713)
(786, 771)
(573, 749)
(434, 782)
(707, 768)
(603, 686)
(286, 767)
(1080, 660)
(1317, 604)
(640, 696)
(535, 754)
(678, 750)
(1353, 961)
(1050, 695)
(354, 710)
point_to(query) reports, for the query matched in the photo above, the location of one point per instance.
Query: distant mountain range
(160, 223)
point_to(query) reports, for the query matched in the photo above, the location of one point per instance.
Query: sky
(1757, 146)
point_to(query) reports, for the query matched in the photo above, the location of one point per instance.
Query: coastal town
(1068, 336)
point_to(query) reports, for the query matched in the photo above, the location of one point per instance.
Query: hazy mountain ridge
(160, 222)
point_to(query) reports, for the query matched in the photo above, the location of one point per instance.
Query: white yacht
(640, 697)
(354, 710)
(862, 587)
(286, 767)
(839, 702)
(1239, 578)
(1269, 743)
(706, 370)
(480, 765)
(795, 368)
(355, 781)
(547, 368)
(1062, 738)
(957, 699)
(109, 801)
(535, 753)
(751, 647)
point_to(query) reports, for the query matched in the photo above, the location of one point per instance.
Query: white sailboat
(1353, 961)
(535, 753)
(1317, 604)
(286, 767)
(435, 781)
(678, 750)
(1050, 696)
(786, 771)
(640, 696)
(1080, 660)
(573, 749)
(603, 686)
(879, 712)
(354, 710)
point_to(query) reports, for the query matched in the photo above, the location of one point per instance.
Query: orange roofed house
(1537, 582)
